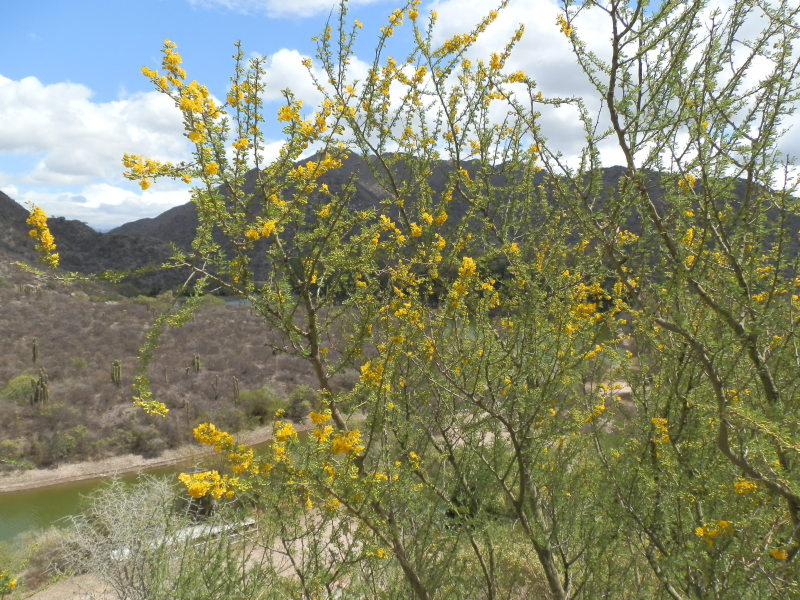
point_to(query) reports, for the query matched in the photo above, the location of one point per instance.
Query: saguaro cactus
(235, 389)
(40, 389)
(116, 372)
(196, 363)
(35, 350)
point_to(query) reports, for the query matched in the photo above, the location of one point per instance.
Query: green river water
(29, 510)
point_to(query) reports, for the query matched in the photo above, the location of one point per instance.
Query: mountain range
(148, 242)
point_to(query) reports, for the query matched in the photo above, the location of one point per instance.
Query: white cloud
(81, 139)
(543, 53)
(102, 206)
(279, 8)
(285, 70)
(74, 144)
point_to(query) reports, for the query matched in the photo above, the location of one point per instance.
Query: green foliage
(594, 372)
(302, 401)
(78, 363)
(18, 388)
(261, 404)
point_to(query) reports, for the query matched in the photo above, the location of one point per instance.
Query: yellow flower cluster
(209, 482)
(322, 434)
(242, 460)
(174, 73)
(686, 183)
(347, 442)
(371, 374)
(240, 92)
(599, 409)
(779, 554)
(144, 169)
(662, 433)
(45, 245)
(743, 486)
(467, 268)
(208, 435)
(625, 237)
(284, 431)
(709, 533)
(7, 583)
(195, 99)
(565, 27)
(319, 418)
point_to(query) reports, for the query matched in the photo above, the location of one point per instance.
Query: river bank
(17, 481)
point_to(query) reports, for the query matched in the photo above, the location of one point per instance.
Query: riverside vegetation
(498, 456)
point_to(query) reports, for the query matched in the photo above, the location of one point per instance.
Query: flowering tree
(7, 583)
(570, 384)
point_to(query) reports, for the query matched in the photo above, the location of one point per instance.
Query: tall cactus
(196, 363)
(116, 372)
(40, 389)
(235, 389)
(35, 350)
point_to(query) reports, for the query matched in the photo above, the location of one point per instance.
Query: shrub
(18, 389)
(302, 401)
(260, 404)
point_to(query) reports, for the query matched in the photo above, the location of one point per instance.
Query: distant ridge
(149, 241)
(82, 249)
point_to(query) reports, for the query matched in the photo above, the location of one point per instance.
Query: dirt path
(119, 465)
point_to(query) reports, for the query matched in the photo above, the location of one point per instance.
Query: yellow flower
(46, 243)
(565, 27)
(323, 434)
(743, 486)
(318, 418)
(349, 442)
(267, 228)
(211, 168)
(285, 114)
(467, 268)
(779, 554)
(285, 432)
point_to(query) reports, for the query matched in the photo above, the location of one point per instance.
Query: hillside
(148, 242)
(80, 331)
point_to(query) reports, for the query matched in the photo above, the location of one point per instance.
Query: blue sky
(73, 100)
(73, 65)
(104, 43)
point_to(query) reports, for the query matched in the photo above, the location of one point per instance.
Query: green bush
(78, 362)
(18, 389)
(260, 404)
(302, 401)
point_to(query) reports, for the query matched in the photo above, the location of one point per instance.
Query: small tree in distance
(571, 385)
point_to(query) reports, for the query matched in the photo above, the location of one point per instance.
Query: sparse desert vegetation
(221, 367)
